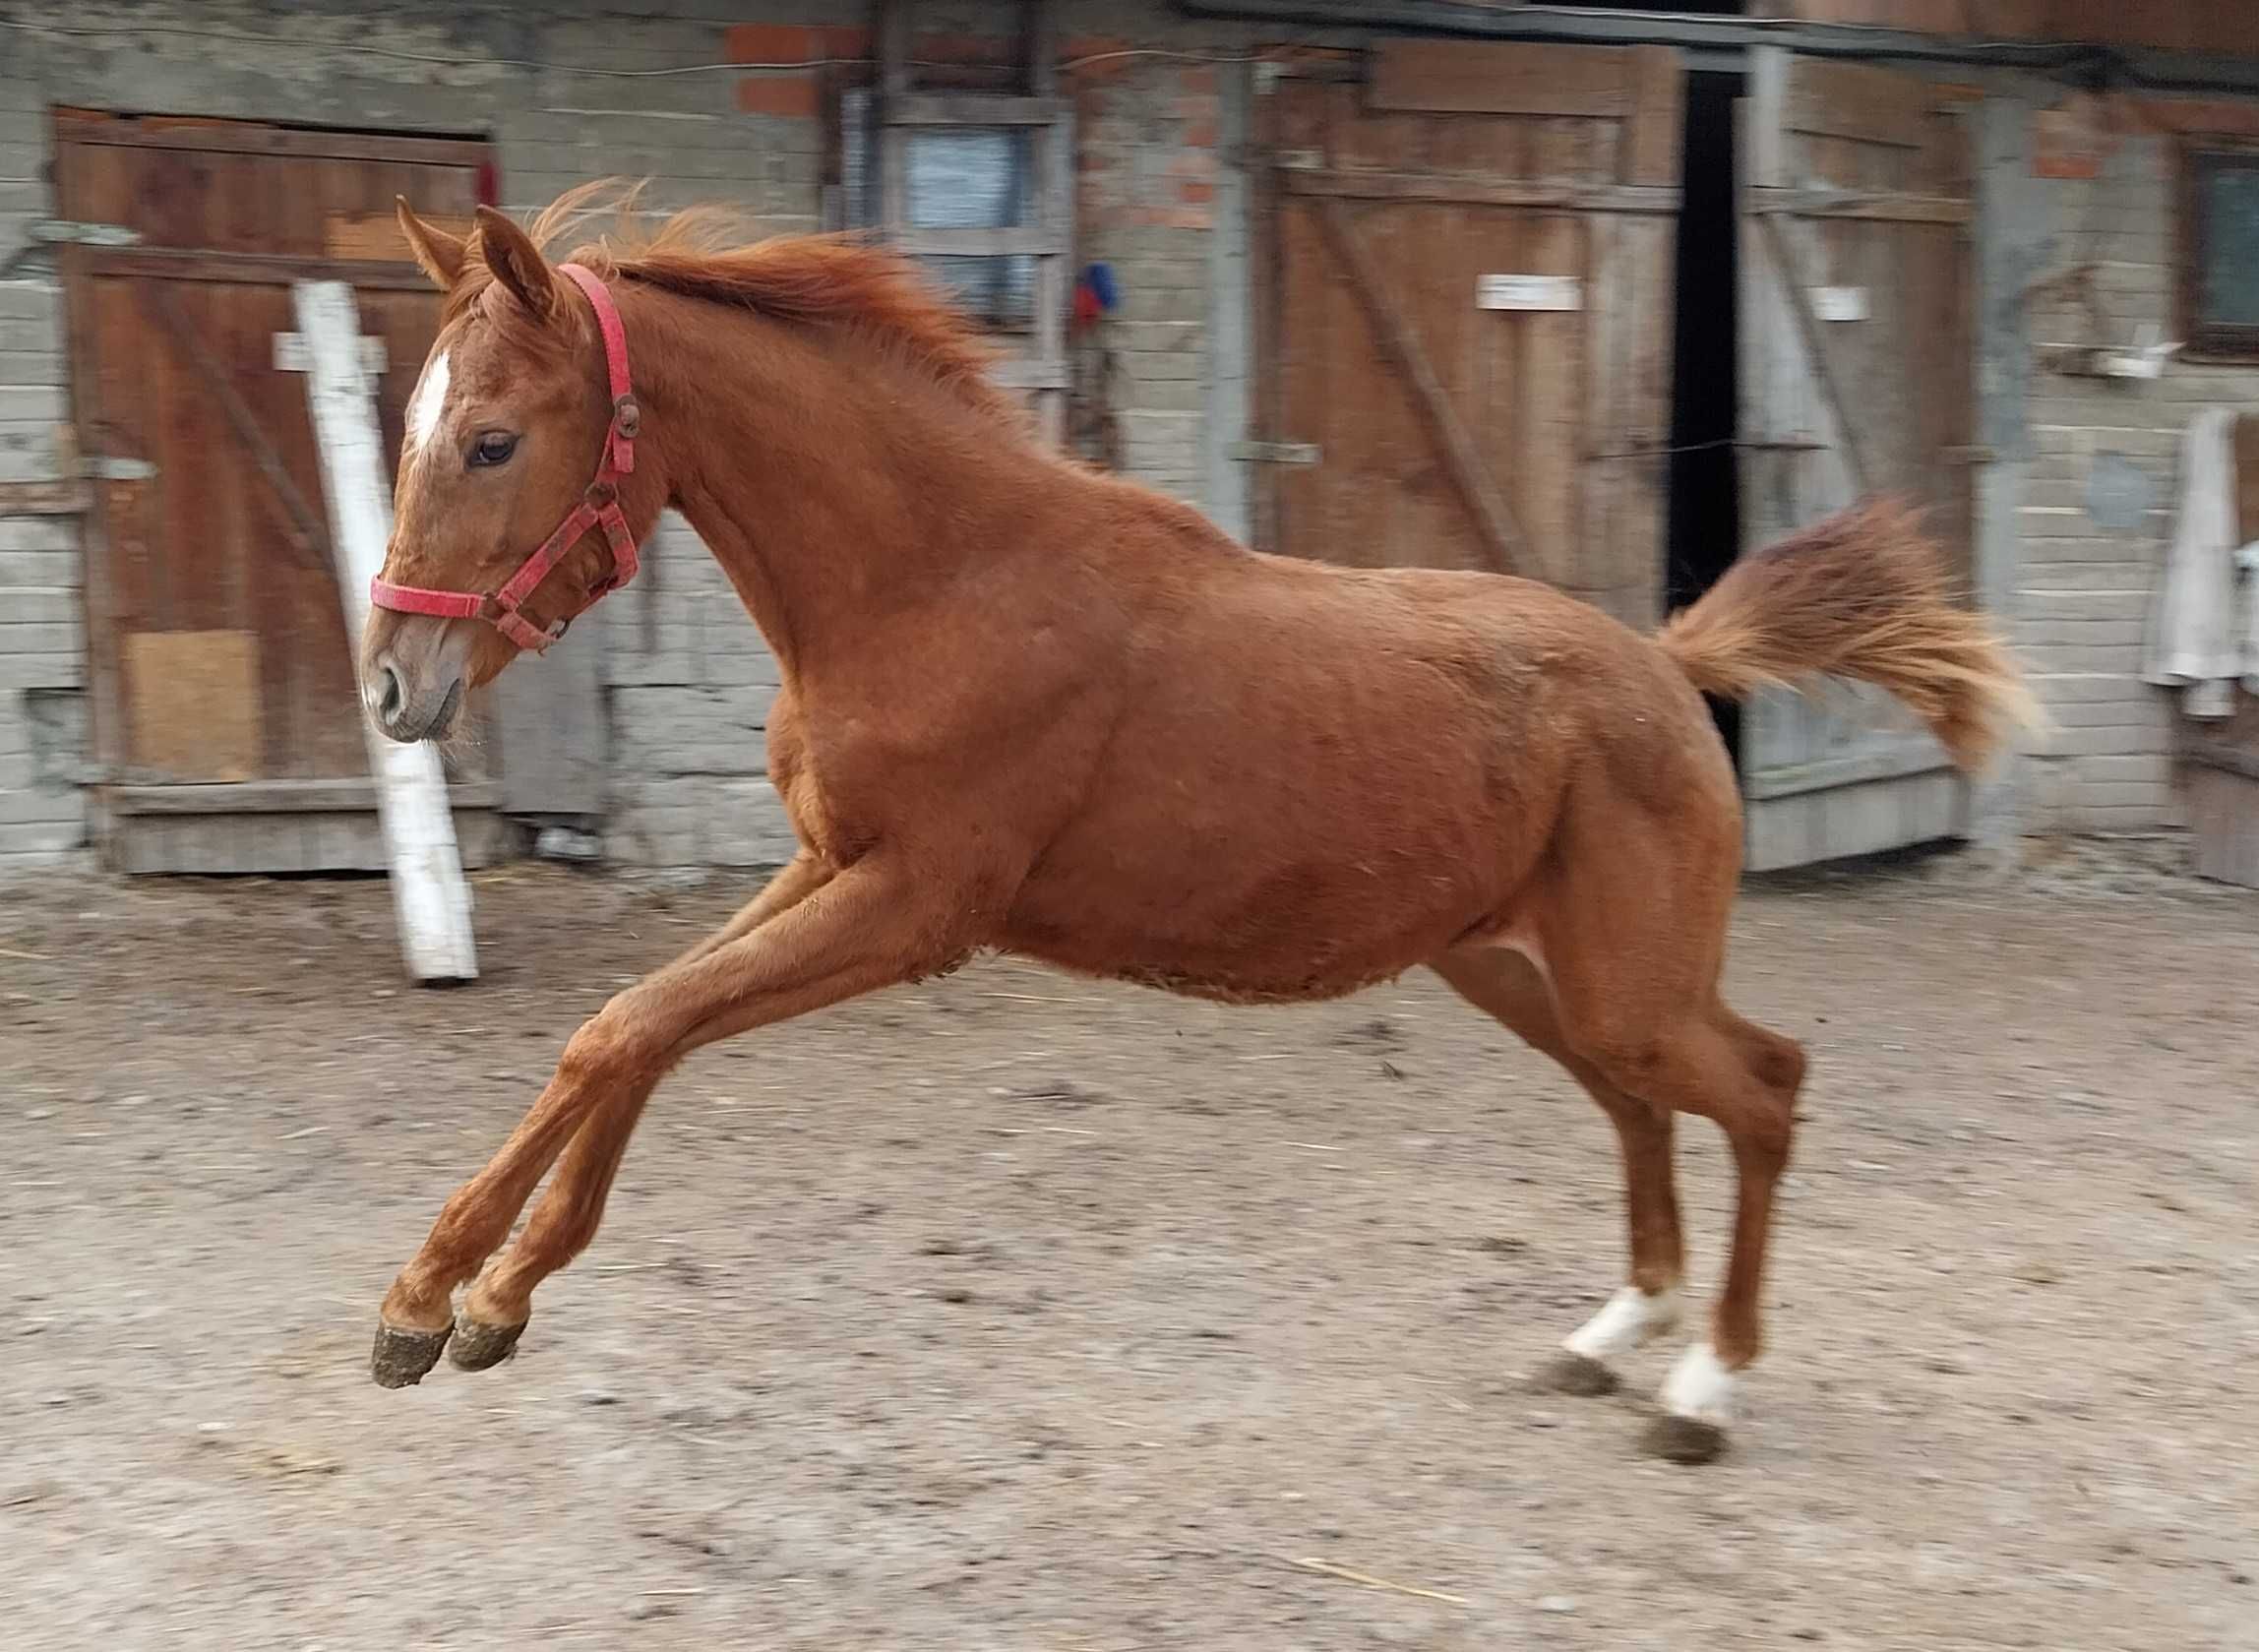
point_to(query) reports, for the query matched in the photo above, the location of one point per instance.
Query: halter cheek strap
(598, 510)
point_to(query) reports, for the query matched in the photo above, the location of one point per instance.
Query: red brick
(847, 40)
(1202, 79)
(770, 42)
(1201, 133)
(1102, 46)
(1195, 192)
(790, 95)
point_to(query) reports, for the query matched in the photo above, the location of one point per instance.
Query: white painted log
(430, 895)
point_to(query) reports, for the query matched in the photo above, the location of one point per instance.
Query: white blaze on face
(424, 408)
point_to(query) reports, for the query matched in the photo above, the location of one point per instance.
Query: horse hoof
(400, 1357)
(478, 1347)
(1684, 1439)
(1576, 1374)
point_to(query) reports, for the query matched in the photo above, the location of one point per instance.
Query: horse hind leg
(1632, 931)
(1710, 1062)
(1509, 987)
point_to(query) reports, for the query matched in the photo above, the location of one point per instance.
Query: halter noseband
(599, 508)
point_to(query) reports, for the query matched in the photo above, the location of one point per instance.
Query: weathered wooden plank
(1502, 539)
(228, 137)
(292, 841)
(429, 893)
(1854, 101)
(1038, 241)
(1297, 177)
(972, 108)
(1469, 77)
(1655, 127)
(1543, 487)
(276, 797)
(1886, 206)
(190, 264)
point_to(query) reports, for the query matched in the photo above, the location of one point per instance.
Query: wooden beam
(1502, 536)
(429, 893)
(230, 137)
(1054, 191)
(1476, 189)
(1865, 204)
(1040, 241)
(1461, 77)
(894, 141)
(345, 795)
(1796, 291)
(972, 108)
(189, 264)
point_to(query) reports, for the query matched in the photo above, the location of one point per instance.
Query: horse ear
(517, 262)
(438, 254)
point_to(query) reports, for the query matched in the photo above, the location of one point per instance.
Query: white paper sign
(1529, 293)
(1840, 303)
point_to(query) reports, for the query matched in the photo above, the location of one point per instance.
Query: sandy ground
(1014, 1311)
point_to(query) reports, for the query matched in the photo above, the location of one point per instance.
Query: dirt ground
(1018, 1313)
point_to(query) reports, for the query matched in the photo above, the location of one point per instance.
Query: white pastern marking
(1698, 1386)
(1626, 1320)
(429, 400)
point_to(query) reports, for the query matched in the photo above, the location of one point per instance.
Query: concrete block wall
(688, 771)
(42, 651)
(2083, 591)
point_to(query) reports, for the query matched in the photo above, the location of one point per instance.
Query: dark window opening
(2220, 252)
(958, 178)
(1704, 532)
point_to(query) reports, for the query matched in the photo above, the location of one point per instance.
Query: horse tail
(1862, 594)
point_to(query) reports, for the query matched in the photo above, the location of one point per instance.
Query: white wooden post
(429, 891)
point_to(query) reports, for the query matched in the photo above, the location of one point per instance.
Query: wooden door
(1465, 308)
(226, 709)
(1858, 377)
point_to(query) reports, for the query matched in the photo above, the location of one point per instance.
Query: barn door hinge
(1275, 452)
(53, 231)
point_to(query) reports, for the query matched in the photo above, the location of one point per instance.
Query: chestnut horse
(1030, 707)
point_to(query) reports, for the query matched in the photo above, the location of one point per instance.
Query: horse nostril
(390, 697)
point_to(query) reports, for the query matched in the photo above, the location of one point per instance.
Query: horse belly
(1290, 903)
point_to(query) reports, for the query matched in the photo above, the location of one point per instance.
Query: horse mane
(711, 252)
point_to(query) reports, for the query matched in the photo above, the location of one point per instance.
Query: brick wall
(687, 778)
(2083, 590)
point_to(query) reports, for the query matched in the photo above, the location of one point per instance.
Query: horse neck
(831, 483)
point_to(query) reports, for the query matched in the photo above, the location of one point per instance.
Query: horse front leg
(860, 929)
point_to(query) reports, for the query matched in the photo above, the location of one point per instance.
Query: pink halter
(599, 508)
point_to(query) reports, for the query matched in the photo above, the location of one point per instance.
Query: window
(959, 178)
(2220, 251)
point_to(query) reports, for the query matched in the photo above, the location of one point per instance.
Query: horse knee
(613, 1045)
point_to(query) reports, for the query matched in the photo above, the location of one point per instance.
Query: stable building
(1599, 295)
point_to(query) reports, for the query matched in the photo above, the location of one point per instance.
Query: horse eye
(494, 448)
